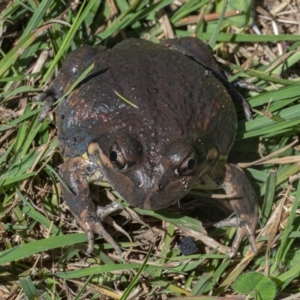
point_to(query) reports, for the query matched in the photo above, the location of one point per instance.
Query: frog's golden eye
(188, 165)
(117, 157)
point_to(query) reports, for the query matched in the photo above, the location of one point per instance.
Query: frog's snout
(153, 194)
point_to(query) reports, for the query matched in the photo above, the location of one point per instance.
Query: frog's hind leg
(77, 173)
(243, 201)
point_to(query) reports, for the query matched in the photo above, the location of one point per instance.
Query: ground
(43, 250)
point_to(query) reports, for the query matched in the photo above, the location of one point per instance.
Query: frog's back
(174, 98)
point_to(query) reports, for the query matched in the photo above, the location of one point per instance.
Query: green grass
(42, 253)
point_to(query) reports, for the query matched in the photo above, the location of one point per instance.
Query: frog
(153, 120)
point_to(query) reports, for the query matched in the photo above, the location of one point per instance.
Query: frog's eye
(117, 157)
(188, 165)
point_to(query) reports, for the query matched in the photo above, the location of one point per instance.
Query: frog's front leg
(245, 205)
(77, 173)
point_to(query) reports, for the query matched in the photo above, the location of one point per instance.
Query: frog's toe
(40, 97)
(48, 98)
(227, 222)
(104, 211)
(46, 108)
(90, 238)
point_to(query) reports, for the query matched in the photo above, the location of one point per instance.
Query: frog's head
(151, 178)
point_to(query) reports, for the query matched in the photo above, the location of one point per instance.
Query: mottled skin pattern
(201, 53)
(178, 134)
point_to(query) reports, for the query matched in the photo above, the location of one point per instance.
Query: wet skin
(177, 135)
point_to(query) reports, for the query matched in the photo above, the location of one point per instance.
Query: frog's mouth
(150, 197)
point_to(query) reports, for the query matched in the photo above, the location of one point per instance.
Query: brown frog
(153, 120)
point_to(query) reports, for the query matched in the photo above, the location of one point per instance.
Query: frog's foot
(244, 204)
(246, 85)
(92, 227)
(243, 229)
(48, 98)
(46, 108)
(78, 172)
(237, 97)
